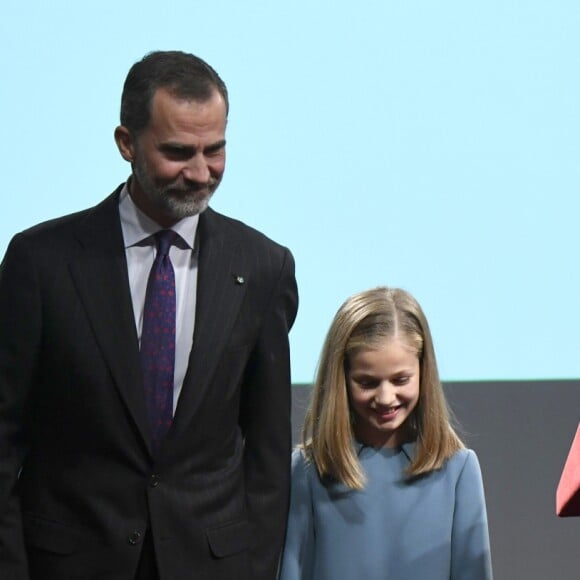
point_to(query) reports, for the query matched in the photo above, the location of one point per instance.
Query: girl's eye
(400, 381)
(366, 383)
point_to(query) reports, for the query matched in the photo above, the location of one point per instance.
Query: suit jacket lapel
(221, 284)
(101, 278)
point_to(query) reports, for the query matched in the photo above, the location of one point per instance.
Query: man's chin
(187, 208)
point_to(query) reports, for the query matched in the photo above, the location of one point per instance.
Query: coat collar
(100, 274)
(223, 277)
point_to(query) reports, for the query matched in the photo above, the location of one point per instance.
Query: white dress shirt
(140, 249)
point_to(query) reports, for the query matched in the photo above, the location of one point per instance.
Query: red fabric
(568, 492)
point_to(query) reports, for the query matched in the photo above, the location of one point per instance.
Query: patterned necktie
(158, 339)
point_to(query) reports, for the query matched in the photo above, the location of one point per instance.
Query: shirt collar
(137, 226)
(409, 448)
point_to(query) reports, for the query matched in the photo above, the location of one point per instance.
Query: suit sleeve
(265, 422)
(470, 549)
(297, 559)
(20, 330)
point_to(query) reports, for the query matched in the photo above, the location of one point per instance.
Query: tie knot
(164, 240)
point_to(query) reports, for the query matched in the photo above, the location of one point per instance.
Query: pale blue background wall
(432, 145)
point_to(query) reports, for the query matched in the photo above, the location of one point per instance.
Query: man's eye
(214, 152)
(176, 153)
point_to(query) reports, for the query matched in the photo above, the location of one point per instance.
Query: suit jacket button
(135, 537)
(155, 480)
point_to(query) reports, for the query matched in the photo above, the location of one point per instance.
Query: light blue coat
(432, 528)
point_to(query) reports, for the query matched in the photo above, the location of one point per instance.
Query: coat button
(154, 480)
(135, 537)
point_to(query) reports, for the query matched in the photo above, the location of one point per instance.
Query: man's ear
(125, 144)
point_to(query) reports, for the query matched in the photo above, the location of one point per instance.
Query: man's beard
(174, 200)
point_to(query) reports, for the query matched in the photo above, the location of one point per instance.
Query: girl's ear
(125, 143)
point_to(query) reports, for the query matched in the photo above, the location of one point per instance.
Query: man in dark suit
(122, 458)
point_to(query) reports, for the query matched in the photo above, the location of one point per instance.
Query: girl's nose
(385, 394)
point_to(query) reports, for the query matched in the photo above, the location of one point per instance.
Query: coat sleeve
(265, 422)
(297, 559)
(470, 549)
(20, 328)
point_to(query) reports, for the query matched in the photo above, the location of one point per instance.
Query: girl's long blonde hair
(364, 321)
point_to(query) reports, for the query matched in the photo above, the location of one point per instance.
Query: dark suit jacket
(73, 417)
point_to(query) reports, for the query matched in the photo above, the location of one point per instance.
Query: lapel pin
(240, 280)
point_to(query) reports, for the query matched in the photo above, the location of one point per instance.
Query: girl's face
(383, 385)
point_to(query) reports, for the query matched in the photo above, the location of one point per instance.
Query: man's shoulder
(236, 228)
(55, 225)
(62, 225)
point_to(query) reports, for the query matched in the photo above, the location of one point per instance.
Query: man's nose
(197, 170)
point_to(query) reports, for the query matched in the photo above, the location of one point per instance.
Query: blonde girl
(382, 487)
